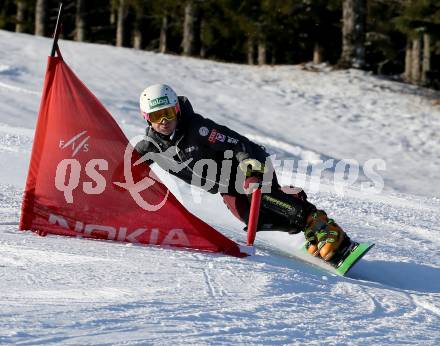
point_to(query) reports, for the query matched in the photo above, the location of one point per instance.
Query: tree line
(388, 37)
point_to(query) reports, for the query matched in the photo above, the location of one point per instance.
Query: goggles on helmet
(157, 117)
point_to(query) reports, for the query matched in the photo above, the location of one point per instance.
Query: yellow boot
(323, 235)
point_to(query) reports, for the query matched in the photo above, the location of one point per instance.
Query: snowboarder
(181, 138)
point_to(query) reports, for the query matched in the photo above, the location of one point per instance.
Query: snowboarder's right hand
(252, 167)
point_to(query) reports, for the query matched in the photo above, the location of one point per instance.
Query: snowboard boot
(325, 238)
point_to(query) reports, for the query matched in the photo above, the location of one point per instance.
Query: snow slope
(57, 290)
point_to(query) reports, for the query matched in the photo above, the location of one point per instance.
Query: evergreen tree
(40, 17)
(20, 18)
(420, 22)
(80, 23)
(165, 19)
(6, 15)
(385, 44)
(353, 34)
(399, 36)
(188, 37)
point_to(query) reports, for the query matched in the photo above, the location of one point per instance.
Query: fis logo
(76, 143)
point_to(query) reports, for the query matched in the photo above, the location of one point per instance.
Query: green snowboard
(355, 252)
(354, 255)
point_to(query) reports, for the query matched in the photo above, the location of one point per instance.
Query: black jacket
(200, 151)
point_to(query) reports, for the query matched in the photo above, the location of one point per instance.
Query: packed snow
(71, 291)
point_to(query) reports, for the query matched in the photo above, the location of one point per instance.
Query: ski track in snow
(72, 291)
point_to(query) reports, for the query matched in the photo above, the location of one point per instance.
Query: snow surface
(70, 291)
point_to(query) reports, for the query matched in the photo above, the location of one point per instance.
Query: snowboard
(354, 252)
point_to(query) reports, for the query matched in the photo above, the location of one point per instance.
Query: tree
(20, 20)
(353, 34)
(262, 55)
(6, 11)
(120, 23)
(138, 34)
(415, 59)
(250, 51)
(420, 22)
(397, 36)
(426, 64)
(163, 34)
(320, 20)
(407, 74)
(80, 25)
(218, 32)
(248, 17)
(40, 17)
(384, 45)
(189, 28)
(203, 28)
(163, 25)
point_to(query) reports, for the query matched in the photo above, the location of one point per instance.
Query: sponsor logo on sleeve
(221, 137)
(232, 140)
(216, 136)
(213, 136)
(203, 131)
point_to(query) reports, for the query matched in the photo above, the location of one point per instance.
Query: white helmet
(157, 97)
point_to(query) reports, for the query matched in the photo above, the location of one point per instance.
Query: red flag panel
(78, 156)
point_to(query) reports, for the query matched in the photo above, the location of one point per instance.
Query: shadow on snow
(401, 275)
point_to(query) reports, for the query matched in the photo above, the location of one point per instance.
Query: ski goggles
(157, 117)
